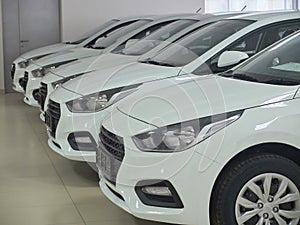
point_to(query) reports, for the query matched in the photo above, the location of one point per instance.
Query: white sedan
(144, 48)
(112, 40)
(22, 62)
(220, 150)
(76, 109)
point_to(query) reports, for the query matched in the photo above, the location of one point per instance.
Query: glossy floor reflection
(39, 187)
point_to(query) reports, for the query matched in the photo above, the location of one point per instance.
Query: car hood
(120, 76)
(50, 49)
(72, 54)
(89, 64)
(185, 98)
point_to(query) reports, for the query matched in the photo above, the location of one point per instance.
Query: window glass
(94, 31)
(279, 65)
(145, 33)
(251, 44)
(157, 37)
(113, 37)
(194, 45)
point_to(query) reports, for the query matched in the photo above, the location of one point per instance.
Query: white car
(220, 150)
(22, 62)
(147, 47)
(113, 40)
(76, 109)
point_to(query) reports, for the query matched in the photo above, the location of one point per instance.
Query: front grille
(113, 144)
(52, 117)
(43, 94)
(110, 155)
(13, 71)
(25, 81)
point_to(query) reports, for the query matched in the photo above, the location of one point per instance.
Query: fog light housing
(158, 193)
(82, 141)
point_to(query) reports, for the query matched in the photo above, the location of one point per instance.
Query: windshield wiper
(240, 76)
(98, 47)
(151, 61)
(227, 73)
(282, 81)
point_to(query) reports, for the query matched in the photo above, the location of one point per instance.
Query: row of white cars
(180, 132)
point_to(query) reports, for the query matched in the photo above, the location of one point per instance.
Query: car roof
(155, 17)
(265, 15)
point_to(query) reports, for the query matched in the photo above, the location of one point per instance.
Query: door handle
(24, 41)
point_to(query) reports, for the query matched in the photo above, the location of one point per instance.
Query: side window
(251, 44)
(141, 35)
(278, 32)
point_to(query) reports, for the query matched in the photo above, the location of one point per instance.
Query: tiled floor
(37, 186)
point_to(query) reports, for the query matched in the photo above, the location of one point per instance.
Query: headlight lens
(41, 71)
(58, 83)
(23, 64)
(98, 101)
(179, 137)
(46, 69)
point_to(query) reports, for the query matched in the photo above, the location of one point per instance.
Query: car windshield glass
(157, 37)
(113, 37)
(278, 65)
(93, 32)
(194, 45)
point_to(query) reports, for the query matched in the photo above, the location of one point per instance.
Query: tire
(252, 191)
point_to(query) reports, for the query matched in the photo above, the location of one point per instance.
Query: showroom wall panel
(80, 16)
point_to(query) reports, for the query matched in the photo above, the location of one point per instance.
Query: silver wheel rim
(268, 199)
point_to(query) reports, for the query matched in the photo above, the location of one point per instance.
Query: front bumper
(32, 88)
(191, 174)
(192, 185)
(18, 75)
(44, 107)
(75, 124)
(47, 81)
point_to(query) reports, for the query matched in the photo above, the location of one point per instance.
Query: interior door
(39, 23)
(28, 24)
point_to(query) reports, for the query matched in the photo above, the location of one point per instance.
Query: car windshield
(157, 37)
(194, 45)
(278, 65)
(93, 32)
(114, 36)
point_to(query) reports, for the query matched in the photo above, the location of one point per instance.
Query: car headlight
(41, 71)
(181, 136)
(58, 83)
(100, 100)
(46, 69)
(23, 64)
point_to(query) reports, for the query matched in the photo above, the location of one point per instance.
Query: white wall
(78, 16)
(1, 53)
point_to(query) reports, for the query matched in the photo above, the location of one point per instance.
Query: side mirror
(231, 58)
(131, 42)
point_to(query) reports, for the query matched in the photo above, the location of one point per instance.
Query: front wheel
(259, 190)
